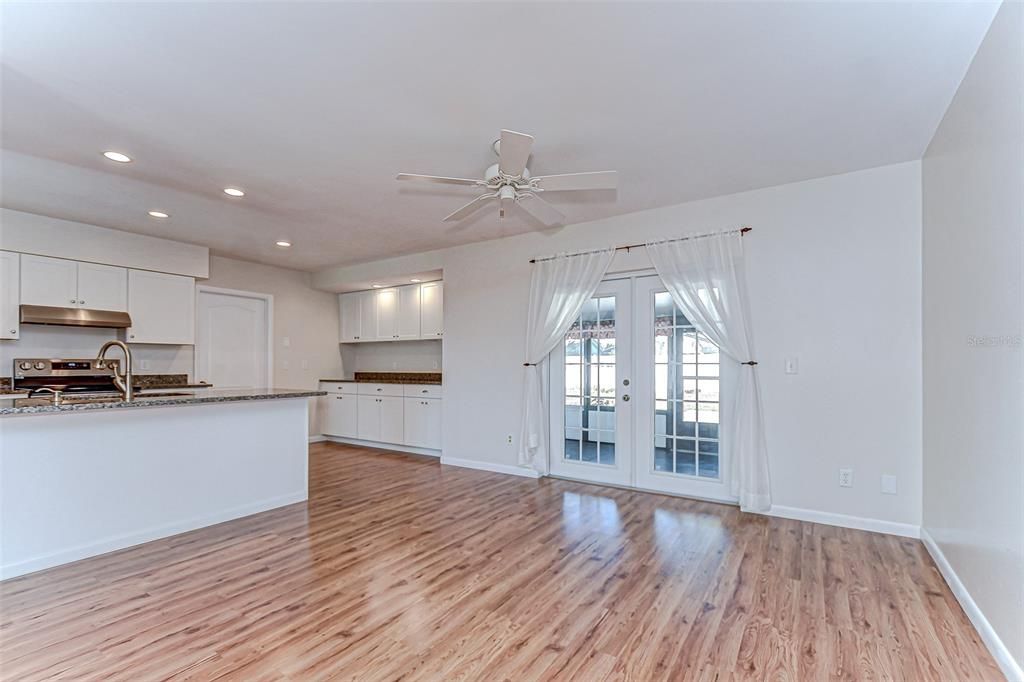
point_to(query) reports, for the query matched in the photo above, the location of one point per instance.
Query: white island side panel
(74, 485)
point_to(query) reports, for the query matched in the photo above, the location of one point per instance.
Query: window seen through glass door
(686, 388)
(590, 384)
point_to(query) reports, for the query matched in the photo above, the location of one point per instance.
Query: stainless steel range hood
(74, 317)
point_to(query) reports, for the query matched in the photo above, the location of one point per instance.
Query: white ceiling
(312, 108)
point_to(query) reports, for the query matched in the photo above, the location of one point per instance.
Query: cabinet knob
(14, 331)
(74, 301)
(82, 302)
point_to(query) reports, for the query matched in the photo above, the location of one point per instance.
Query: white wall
(835, 278)
(44, 236)
(973, 174)
(393, 356)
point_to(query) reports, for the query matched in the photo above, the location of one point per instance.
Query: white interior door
(233, 339)
(591, 416)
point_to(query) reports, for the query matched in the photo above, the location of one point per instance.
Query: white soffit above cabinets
(314, 107)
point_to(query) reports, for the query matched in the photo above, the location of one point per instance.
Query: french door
(637, 395)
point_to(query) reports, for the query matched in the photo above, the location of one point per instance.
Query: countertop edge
(177, 401)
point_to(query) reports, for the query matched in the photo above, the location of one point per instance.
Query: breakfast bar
(94, 475)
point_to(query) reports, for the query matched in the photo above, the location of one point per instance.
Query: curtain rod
(627, 247)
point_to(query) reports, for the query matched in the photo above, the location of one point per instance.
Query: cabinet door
(341, 416)
(368, 418)
(49, 281)
(431, 423)
(431, 310)
(162, 308)
(350, 317)
(392, 419)
(367, 315)
(10, 295)
(102, 287)
(423, 422)
(408, 325)
(387, 314)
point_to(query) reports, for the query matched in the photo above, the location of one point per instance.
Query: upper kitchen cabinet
(58, 282)
(162, 308)
(407, 326)
(403, 313)
(10, 285)
(349, 315)
(431, 310)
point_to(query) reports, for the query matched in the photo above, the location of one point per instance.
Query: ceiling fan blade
(439, 179)
(541, 210)
(574, 181)
(514, 152)
(470, 207)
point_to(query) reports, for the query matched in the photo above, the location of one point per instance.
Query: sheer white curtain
(558, 289)
(705, 276)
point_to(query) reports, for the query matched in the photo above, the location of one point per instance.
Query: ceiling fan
(509, 182)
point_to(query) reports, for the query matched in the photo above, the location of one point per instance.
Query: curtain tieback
(751, 363)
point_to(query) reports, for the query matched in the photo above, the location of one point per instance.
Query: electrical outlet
(846, 478)
(286, 342)
(510, 439)
(889, 486)
(145, 364)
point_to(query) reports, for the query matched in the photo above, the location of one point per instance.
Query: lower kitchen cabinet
(392, 414)
(423, 422)
(340, 416)
(381, 419)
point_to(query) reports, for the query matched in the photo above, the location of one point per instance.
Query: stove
(77, 376)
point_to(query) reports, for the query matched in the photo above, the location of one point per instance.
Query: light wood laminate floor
(400, 568)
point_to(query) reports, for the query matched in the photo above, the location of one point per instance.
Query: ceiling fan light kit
(509, 181)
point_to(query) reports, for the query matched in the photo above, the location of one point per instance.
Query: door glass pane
(687, 394)
(590, 376)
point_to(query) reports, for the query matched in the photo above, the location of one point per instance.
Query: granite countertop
(141, 382)
(16, 406)
(392, 378)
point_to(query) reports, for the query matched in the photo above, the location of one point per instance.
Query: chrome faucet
(122, 382)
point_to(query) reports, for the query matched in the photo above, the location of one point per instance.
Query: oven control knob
(40, 365)
(25, 365)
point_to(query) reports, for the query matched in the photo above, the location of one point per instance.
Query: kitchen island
(91, 476)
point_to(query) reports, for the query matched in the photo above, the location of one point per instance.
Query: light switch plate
(792, 365)
(846, 478)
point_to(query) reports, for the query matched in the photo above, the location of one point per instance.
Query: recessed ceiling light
(375, 286)
(159, 214)
(283, 244)
(117, 156)
(231, 191)
(415, 280)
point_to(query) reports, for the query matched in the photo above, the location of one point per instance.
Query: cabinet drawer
(422, 390)
(346, 387)
(379, 389)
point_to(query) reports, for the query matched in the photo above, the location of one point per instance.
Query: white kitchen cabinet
(340, 415)
(387, 314)
(431, 310)
(49, 281)
(162, 308)
(408, 324)
(67, 283)
(102, 287)
(10, 295)
(392, 419)
(380, 418)
(349, 314)
(423, 422)
(368, 418)
(368, 315)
